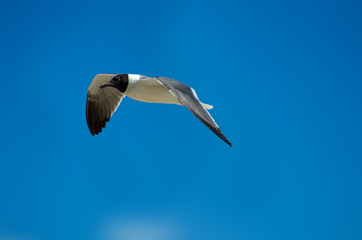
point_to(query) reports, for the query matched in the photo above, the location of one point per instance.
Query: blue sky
(285, 82)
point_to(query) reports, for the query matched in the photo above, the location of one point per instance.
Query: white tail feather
(207, 106)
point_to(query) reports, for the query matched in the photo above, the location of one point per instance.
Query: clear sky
(284, 78)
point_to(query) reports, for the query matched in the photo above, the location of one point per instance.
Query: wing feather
(188, 97)
(101, 103)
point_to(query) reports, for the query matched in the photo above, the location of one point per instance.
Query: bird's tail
(207, 106)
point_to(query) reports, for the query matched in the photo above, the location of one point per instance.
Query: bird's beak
(105, 85)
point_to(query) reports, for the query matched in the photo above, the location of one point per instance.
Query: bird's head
(119, 81)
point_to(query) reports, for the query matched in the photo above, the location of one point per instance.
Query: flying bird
(107, 91)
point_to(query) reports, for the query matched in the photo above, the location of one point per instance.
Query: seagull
(106, 92)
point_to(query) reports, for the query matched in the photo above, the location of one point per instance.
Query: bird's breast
(150, 90)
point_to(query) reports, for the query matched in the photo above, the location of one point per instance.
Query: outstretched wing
(101, 103)
(187, 96)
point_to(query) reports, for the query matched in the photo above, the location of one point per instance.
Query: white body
(146, 89)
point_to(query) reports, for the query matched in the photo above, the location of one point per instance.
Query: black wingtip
(226, 140)
(218, 132)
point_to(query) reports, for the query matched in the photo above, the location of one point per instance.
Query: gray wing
(187, 96)
(101, 103)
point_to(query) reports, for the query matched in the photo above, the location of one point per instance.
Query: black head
(119, 81)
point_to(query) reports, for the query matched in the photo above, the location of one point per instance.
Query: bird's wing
(101, 103)
(187, 96)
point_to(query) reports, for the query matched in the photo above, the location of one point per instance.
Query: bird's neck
(133, 78)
